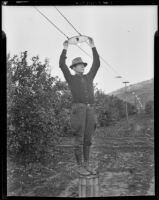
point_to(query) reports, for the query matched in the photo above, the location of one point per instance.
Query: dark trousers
(83, 123)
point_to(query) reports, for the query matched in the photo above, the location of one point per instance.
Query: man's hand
(91, 42)
(65, 44)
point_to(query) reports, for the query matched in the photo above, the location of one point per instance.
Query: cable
(67, 36)
(87, 54)
(67, 20)
(108, 65)
(115, 71)
(80, 35)
(84, 51)
(51, 22)
(59, 29)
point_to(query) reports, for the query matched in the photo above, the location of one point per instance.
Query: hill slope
(144, 90)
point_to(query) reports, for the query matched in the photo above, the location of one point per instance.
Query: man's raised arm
(96, 60)
(62, 62)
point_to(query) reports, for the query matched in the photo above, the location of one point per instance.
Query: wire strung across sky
(113, 69)
(60, 29)
(67, 20)
(51, 22)
(64, 33)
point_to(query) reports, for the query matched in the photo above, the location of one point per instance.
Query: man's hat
(76, 61)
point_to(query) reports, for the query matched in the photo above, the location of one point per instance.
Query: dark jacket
(81, 85)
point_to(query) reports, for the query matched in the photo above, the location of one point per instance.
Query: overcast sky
(123, 36)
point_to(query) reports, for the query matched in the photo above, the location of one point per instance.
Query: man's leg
(89, 130)
(86, 153)
(78, 154)
(78, 124)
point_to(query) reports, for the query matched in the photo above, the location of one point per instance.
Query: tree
(110, 109)
(38, 109)
(35, 109)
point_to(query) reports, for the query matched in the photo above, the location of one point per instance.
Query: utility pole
(126, 106)
(135, 101)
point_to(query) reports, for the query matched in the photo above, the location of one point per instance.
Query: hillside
(144, 90)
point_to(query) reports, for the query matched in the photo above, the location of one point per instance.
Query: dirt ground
(125, 164)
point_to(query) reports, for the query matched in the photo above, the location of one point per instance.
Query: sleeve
(63, 66)
(95, 64)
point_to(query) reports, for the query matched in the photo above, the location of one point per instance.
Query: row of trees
(38, 109)
(110, 109)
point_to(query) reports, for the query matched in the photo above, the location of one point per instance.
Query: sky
(123, 36)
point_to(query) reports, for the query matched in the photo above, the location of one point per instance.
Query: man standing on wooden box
(83, 121)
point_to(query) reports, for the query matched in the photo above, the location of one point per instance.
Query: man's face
(79, 68)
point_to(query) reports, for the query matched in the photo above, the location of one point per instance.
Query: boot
(82, 170)
(89, 169)
(86, 151)
(78, 155)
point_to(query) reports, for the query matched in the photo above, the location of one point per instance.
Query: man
(82, 117)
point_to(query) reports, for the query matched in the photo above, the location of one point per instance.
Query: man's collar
(80, 74)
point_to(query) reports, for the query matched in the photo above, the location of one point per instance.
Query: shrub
(149, 107)
(35, 109)
(38, 109)
(110, 109)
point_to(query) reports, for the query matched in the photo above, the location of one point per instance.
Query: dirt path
(71, 189)
(125, 164)
(46, 181)
(110, 184)
(122, 173)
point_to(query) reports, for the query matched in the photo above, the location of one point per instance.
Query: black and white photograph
(80, 100)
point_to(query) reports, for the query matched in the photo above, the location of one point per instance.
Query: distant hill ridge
(144, 90)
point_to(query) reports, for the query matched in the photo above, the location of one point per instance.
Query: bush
(36, 113)
(149, 107)
(110, 109)
(38, 109)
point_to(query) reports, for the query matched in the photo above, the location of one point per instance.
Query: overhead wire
(73, 28)
(69, 37)
(115, 71)
(84, 51)
(89, 55)
(51, 22)
(60, 29)
(67, 20)
(110, 66)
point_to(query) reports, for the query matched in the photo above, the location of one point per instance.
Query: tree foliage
(35, 109)
(110, 109)
(38, 109)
